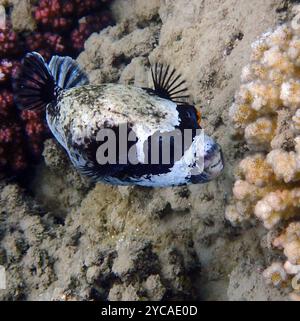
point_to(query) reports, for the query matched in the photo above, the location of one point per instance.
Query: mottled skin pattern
(80, 112)
(154, 138)
(84, 110)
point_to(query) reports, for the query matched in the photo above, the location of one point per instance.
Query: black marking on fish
(39, 84)
(126, 172)
(187, 117)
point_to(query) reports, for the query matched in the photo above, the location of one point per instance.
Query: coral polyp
(46, 44)
(9, 43)
(289, 242)
(86, 27)
(55, 14)
(8, 70)
(81, 18)
(12, 151)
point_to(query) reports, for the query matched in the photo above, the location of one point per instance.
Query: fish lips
(213, 166)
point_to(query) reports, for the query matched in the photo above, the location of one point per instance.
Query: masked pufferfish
(76, 110)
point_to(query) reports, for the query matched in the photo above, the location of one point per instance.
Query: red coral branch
(22, 133)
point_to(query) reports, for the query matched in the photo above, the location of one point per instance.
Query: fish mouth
(210, 172)
(220, 160)
(217, 164)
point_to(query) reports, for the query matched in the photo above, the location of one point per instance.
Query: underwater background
(65, 238)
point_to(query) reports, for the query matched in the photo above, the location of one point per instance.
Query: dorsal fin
(67, 73)
(167, 84)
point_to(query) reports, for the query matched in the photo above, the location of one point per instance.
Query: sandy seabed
(64, 238)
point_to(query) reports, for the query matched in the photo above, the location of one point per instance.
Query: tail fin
(35, 87)
(39, 84)
(67, 73)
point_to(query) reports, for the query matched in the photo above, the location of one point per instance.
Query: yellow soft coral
(281, 204)
(296, 121)
(266, 112)
(286, 165)
(260, 132)
(290, 93)
(275, 274)
(255, 170)
(269, 83)
(289, 241)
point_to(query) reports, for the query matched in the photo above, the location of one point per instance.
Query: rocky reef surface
(64, 238)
